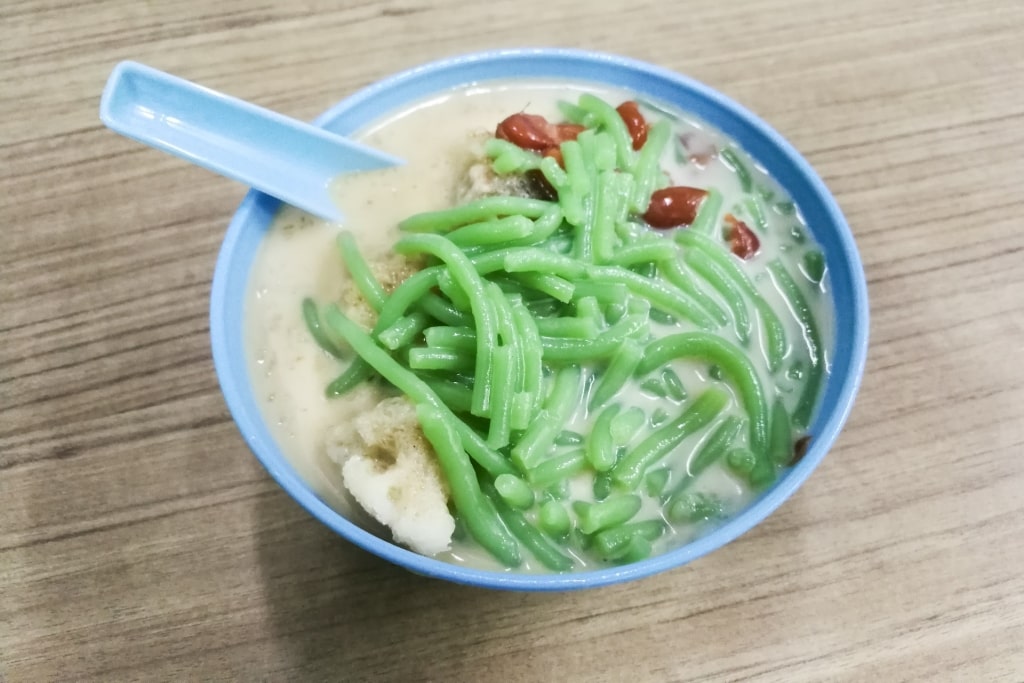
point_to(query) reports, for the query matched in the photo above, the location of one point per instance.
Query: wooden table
(140, 539)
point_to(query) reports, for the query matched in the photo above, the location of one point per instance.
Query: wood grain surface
(139, 539)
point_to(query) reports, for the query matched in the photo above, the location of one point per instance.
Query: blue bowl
(782, 161)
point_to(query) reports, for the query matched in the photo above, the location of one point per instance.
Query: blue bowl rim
(262, 445)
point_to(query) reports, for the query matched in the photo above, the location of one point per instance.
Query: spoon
(283, 157)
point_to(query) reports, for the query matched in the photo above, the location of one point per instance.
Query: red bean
(556, 154)
(529, 131)
(800, 448)
(700, 148)
(674, 206)
(563, 132)
(635, 123)
(742, 239)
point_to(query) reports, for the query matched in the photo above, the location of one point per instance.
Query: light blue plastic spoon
(282, 157)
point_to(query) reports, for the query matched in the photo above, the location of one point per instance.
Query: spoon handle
(285, 158)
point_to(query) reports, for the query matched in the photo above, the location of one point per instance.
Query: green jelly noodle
(594, 390)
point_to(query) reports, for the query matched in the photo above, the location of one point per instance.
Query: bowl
(779, 158)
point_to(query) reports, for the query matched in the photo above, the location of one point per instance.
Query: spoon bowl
(285, 158)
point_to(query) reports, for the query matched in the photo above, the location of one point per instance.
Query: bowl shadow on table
(333, 607)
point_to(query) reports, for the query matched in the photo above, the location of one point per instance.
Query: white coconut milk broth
(438, 139)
